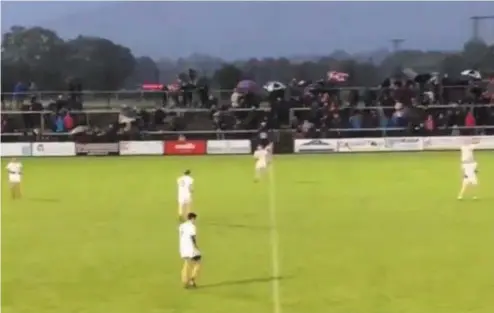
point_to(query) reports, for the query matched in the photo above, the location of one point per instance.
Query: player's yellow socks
(185, 273)
(195, 271)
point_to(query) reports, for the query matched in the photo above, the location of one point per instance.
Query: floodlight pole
(476, 20)
(396, 43)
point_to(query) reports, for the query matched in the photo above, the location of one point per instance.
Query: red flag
(152, 86)
(337, 76)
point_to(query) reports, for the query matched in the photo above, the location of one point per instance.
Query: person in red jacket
(68, 122)
(470, 122)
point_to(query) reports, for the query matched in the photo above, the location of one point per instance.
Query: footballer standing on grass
(184, 184)
(14, 168)
(469, 167)
(261, 155)
(189, 251)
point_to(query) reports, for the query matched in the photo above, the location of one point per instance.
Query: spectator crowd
(312, 109)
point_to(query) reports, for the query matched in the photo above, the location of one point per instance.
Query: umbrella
(428, 78)
(274, 86)
(246, 86)
(410, 73)
(472, 74)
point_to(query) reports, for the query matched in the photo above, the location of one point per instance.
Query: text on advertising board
(96, 148)
(53, 149)
(315, 145)
(361, 145)
(454, 142)
(403, 144)
(188, 147)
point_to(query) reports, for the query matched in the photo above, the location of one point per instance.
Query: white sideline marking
(274, 242)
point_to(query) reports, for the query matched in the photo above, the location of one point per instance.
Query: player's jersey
(184, 184)
(261, 155)
(14, 168)
(467, 154)
(186, 231)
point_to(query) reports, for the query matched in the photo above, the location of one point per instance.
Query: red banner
(188, 147)
(152, 86)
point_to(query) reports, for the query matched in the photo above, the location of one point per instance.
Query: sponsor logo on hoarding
(53, 149)
(315, 145)
(361, 145)
(96, 148)
(141, 147)
(189, 147)
(403, 144)
(228, 147)
(455, 142)
(442, 143)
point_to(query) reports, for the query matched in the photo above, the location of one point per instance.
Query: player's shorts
(264, 143)
(260, 165)
(190, 254)
(470, 173)
(184, 199)
(14, 178)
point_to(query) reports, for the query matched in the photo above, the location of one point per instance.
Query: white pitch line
(274, 242)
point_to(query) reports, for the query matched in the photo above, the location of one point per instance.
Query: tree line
(39, 55)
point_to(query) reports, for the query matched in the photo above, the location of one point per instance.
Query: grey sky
(246, 29)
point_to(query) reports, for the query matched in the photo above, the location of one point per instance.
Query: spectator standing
(356, 120)
(19, 94)
(33, 90)
(470, 122)
(59, 128)
(68, 121)
(235, 99)
(398, 117)
(429, 124)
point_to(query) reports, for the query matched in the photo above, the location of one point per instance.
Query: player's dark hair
(191, 216)
(187, 172)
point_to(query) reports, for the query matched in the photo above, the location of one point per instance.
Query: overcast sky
(246, 29)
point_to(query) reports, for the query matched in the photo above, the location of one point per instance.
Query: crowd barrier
(239, 147)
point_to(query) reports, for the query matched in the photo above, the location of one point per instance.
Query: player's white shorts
(470, 173)
(14, 178)
(184, 199)
(260, 165)
(189, 253)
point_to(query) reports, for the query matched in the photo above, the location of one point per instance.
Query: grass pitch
(367, 233)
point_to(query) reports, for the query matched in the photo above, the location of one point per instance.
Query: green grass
(369, 233)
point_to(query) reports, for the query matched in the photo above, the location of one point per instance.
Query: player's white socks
(464, 188)
(462, 191)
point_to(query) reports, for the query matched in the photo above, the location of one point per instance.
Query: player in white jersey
(14, 169)
(469, 167)
(189, 251)
(185, 187)
(261, 155)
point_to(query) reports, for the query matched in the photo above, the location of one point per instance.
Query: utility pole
(476, 20)
(397, 44)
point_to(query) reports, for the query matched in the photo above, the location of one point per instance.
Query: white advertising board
(15, 149)
(229, 147)
(141, 148)
(53, 149)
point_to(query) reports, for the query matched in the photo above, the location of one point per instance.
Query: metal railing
(333, 133)
(111, 98)
(203, 110)
(195, 119)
